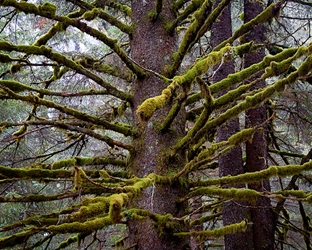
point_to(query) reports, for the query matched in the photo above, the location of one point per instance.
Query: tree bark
(256, 150)
(230, 163)
(151, 47)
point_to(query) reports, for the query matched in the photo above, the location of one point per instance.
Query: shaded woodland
(155, 124)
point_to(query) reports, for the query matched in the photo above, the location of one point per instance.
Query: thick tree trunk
(230, 163)
(151, 47)
(256, 150)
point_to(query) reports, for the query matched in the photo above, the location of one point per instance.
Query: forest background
(155, 124)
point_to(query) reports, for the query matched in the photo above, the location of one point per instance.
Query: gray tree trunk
(262, 215)
(230, 163)
(151, 47)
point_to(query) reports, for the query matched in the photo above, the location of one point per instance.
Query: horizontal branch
(120, 128)
(63, 60)
(48, 10)
(281, 171)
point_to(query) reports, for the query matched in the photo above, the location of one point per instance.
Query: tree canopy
(111, 116)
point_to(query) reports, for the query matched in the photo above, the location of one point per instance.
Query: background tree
(115, 124)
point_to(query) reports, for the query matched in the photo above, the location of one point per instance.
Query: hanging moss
(116, 203)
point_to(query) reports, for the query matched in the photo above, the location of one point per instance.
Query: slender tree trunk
(256, 150)
(151, 47)
(230, 163)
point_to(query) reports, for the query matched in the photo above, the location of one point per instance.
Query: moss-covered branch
(191, 8)
(202, 22)
(150, 105)
(80, 127)
(63, 60)
(281, 171)
(257, 99)
(123, 129)
(16, 239)
(32, 173)
(217, 233)
(48, 10)
(266, 15)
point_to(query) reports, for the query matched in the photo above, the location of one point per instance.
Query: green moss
(48, 10)
(63, 163)
(217, 233)
(92, 14)
(231, 193)
(244, 48)
(4, 58)
(18, 238)
(115, 206)
(5, 46)
(206, 218)
(68, 242)
(81, 227)
(150, 105)
(282, 171)
(14, 85)
(242, 136)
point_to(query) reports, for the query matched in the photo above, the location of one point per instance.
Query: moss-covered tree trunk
(257, 149)
(230, 163)
(151, 47)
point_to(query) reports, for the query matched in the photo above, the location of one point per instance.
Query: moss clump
(90, 15)
(19, 132)
(48, 10)
(149, 106)
(78, 177)
(242, 136)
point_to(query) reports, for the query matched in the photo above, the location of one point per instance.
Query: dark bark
(230, 163)
(152, 47)
(262, 215)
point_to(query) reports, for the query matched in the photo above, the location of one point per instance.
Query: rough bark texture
(256, 150)
(152, 47)
(230, 163)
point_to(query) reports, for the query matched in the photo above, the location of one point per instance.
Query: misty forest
(156, 124)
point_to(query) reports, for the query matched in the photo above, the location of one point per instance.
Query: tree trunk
(230, 163)
(256, 150)
(151, 47)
